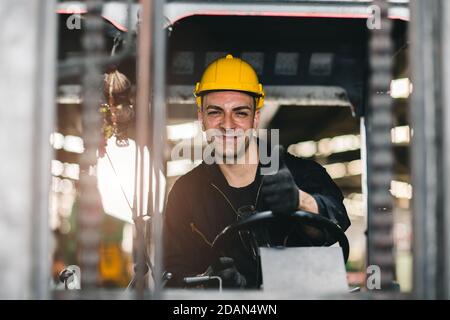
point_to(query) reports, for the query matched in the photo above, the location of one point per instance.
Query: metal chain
(90, 213)
(380, 156)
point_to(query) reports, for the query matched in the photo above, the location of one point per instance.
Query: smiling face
(227, 117)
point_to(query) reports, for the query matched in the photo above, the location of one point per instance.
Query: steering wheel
(303, 217)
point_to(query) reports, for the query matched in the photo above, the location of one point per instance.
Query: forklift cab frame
(319, 85)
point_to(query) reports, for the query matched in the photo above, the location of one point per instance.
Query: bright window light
(401, 189)
(182, 131)
(127, 238)
(354, 207)
(401, 134)
(179, 167)
(57, 140)
(304, 149)
(71, 170)
(73, 144)
(67, 186)
(57, 168)
(115, 202)
(345, 143)
(336, 170)
(401, 88)
(324, 147)
(354, 167)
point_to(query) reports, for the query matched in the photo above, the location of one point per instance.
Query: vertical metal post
(445, 10)
(424, 155)
(44, 115)
(142, 130)
(380, 159)
(23, 70)
(159, 113)
(364, 177)
(90, 212)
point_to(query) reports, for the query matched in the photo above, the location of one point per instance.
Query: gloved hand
(227, 271)
(279, 192)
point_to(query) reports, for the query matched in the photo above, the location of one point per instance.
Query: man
(212, 196)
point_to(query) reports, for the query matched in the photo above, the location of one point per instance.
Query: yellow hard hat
(230, 73)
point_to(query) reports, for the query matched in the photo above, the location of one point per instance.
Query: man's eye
(242, 114)
(213, 113)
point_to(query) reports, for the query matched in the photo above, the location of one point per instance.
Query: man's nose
(227, 121)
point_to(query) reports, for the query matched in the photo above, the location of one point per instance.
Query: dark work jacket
(197, 211)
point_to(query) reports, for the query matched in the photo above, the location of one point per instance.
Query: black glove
(227, 271)
(279, 192)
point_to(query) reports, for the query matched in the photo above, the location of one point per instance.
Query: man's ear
(200, 116)
(200, 112)
(256, 119)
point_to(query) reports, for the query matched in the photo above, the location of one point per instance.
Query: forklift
(308, 55)
(340, 55)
